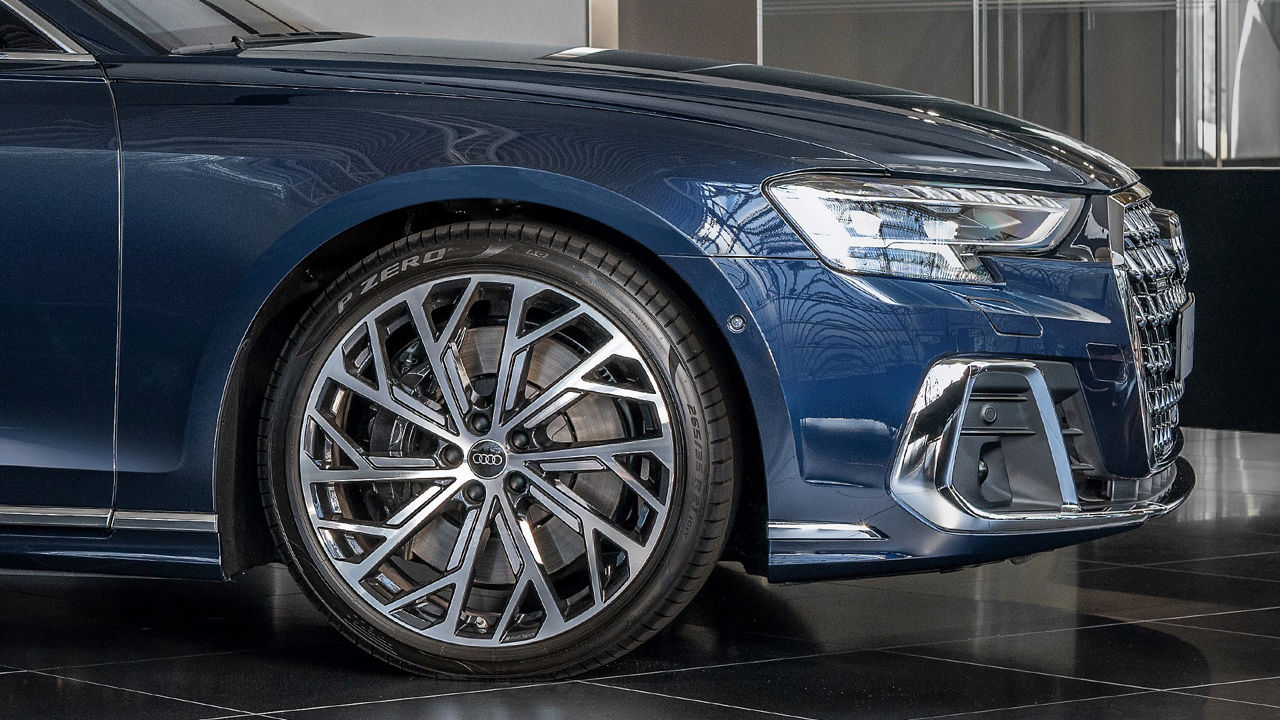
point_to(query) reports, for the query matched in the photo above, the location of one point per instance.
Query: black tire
(699, 501)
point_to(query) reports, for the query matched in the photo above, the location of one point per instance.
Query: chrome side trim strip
(44, 27)
(821, 531)
(105, 519)
(174, 521)
(36, 516)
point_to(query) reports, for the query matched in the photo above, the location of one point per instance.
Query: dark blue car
(501, 348)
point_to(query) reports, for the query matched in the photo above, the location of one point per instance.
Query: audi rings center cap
(487, 459)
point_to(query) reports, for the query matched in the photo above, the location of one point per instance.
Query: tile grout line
(190, 656)
(1028, 706)
(1219, 630)
(1219, 699)
(1023, 670)
(717, 666)
(1171, 691)
(431, 696)
(1220, 557)
(1229, 682)
(695, 700)
(1168, 691)
(1098, 626)
(1201, 573)
(244, 713)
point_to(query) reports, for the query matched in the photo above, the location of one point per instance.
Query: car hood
(849, 124)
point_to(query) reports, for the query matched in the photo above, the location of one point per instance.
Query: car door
(59, 277)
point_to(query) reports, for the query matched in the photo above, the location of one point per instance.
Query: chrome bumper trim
(821, 532)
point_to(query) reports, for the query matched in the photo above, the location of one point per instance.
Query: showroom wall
(682, 28)
(549, 22)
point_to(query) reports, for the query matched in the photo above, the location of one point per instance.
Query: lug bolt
(452, 456)
(480, 422)
(520, 440)
(516, 483)
(474, 492)
(983, 471)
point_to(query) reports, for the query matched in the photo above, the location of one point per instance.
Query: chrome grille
(1156, 269)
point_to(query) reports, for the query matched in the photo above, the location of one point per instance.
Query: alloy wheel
(486, 459)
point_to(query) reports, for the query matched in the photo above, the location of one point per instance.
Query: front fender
(682, 256)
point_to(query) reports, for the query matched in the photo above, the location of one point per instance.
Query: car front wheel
(498, 449)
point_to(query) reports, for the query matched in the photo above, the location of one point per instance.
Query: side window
(17, 36)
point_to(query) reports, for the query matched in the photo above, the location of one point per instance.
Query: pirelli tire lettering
(389, 272)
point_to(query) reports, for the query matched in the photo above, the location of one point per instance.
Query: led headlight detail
(918, 230)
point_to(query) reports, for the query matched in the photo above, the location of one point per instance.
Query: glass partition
(1155, 82)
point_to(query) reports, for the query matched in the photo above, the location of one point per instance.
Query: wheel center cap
(487, 459)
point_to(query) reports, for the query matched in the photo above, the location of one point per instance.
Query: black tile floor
(1180, 619)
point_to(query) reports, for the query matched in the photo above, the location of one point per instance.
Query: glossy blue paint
(151, 553)
(238, 168)
(58, 231)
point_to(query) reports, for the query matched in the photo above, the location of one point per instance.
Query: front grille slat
(1156, 265)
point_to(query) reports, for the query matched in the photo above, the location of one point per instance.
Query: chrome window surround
(69, 49)
(921, 479)
(1160, 441)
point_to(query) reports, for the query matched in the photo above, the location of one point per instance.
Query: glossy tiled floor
(1180, 619)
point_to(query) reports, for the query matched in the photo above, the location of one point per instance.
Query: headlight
(917, 230)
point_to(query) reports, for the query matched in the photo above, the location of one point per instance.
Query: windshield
(193, 25)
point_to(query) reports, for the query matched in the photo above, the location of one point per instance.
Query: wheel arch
(341, 233)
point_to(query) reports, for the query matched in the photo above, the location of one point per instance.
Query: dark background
(1231, 219)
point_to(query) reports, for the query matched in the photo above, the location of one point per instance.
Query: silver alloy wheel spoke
(437, 350)
(532, 574)
(393, 537)
(570, 387)
(461, 561)
(481, 551)
(584, 516)
(421, 415)
(604, 456)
